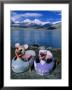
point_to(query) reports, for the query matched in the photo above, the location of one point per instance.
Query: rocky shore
(56, 74)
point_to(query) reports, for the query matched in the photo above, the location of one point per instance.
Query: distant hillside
(57, 25)
(37, 24)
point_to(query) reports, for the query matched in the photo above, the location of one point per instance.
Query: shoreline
(36, 48)
(38, 29)
(56, 74)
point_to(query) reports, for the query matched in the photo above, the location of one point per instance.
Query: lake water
(51, 38)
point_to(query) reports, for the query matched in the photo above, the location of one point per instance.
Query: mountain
(12, 22)
(36, 23)
(57, 24)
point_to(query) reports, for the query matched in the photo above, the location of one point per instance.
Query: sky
(46, 16)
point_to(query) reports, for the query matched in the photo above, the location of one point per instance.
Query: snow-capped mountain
(36, 23)
(57, 24)
(26, 21)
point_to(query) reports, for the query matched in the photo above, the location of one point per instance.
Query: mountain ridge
(36, 23)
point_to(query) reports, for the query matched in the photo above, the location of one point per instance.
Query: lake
(51, 38)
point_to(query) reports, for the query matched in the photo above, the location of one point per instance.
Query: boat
(19, 65)
(45, 67)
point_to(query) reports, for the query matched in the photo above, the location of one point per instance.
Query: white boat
(18, 65)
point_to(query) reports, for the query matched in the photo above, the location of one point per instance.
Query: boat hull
(20, 65)
(44, 69)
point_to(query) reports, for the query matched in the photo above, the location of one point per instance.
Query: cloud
(15, 17)
(13, 13)
(32, 15)
(59, 14)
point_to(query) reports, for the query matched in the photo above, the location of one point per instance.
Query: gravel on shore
(56, 74)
